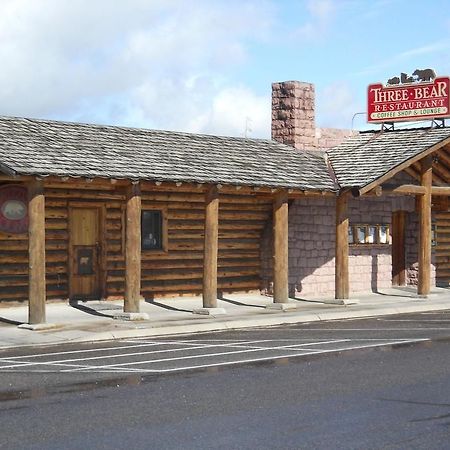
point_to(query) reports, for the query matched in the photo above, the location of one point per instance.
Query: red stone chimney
(293, 118)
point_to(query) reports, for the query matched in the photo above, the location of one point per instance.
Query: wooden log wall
(180, 270)
(242, 219)
(14, 255)
(13, 266)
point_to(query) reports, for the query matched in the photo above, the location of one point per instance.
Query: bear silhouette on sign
(394, 80)
(424, 74)
(406, 79)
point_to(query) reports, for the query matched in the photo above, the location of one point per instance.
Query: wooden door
(442, 249)
(398, 248)
(85, 253)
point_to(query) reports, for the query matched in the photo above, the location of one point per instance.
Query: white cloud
(240, 111)
(425, 50)
(198, 106)
(405, 56)
(163, 64)
(337, 104)
(321, 13)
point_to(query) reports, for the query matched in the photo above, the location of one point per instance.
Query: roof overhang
(402, 166)
(5, 170)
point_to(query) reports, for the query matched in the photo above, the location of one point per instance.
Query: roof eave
(408, 162)
(6, 170)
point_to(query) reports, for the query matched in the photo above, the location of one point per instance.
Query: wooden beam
(411, 172)
(36, 251)
(80, 182)
(440, 190)
(441, 171)
(211, 248)
(443, 156)
(133, 250)
(342, 286)
(411, 189)
(295, 193)
(378, 191)
(280, 248)
(398, 248)
(406, 189)
(436, 178)
(13, 178)
(426, 177)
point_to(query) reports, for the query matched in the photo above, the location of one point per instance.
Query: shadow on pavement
(235, 302)
(168, 307)
(89, 310)
(10, 322)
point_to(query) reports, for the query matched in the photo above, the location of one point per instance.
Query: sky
(206, 66)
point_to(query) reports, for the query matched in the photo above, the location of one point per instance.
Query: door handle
(98, 248)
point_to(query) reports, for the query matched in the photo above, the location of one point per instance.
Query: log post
(211, 248)
(133, 250)
(36, 251)
(398, 248)
(341, 263)
(424, 284)
(280, 248)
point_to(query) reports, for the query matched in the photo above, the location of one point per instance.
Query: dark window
(151, 229)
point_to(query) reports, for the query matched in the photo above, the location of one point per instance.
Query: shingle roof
(42, 147)
(362, 159)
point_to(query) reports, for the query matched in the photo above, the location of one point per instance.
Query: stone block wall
(293, 121)
(312, 246)
(330, 137)
(293, 118)
(312, 220)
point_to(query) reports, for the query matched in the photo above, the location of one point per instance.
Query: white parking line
(103, 349)
(262, 359)
(123, 355)
(257, 349)
(414, 320)
(291, 349)
(307, 330)
(206, 355)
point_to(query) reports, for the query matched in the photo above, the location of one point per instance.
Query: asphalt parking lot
(203, 351)
(368, 383)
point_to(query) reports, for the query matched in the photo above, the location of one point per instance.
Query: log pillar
(36, 252)
(280, 248)
(211, 248)
(133, 250)
(341, 255)
(424, 284)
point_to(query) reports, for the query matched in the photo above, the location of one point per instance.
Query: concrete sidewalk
(93, 320)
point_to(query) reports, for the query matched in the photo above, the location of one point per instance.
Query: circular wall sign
(13, 209)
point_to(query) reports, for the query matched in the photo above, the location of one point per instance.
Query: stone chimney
(293, 118)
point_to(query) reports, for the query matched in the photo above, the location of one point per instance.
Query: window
(152, 230)
(361, 234)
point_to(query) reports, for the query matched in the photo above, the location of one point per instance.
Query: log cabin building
(105, 212)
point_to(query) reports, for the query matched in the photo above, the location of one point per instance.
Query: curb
(285, 318)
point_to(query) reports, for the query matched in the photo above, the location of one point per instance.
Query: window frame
(164, 230)
(365, 241)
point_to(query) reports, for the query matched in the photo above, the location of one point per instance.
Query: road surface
(353, 384)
